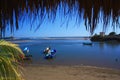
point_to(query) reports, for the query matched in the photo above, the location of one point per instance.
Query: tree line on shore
(112, 36)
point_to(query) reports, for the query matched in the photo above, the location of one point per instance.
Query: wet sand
(45, 72)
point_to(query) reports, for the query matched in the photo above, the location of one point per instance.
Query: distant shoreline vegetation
(55, 38)
(11, 37)
(102, 37)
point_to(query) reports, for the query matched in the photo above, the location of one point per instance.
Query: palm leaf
(9, 54)
(9, 49)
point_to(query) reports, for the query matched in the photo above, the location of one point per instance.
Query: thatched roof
(92, 11)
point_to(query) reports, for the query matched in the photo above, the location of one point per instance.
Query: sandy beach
(51, 72)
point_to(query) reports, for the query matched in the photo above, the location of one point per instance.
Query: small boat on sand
(28, 56)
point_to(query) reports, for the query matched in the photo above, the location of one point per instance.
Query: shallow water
(73, 52)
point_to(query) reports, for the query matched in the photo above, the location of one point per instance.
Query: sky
(48, 29)
(58, 28)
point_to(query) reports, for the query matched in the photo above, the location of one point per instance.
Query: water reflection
(101, 45)
(113, 44)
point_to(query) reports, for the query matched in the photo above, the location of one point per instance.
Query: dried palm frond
(12, 11)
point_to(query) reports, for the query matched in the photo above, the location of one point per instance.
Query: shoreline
(54, 72)
(72, 65)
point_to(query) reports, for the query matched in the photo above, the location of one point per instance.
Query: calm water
(73, 52)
